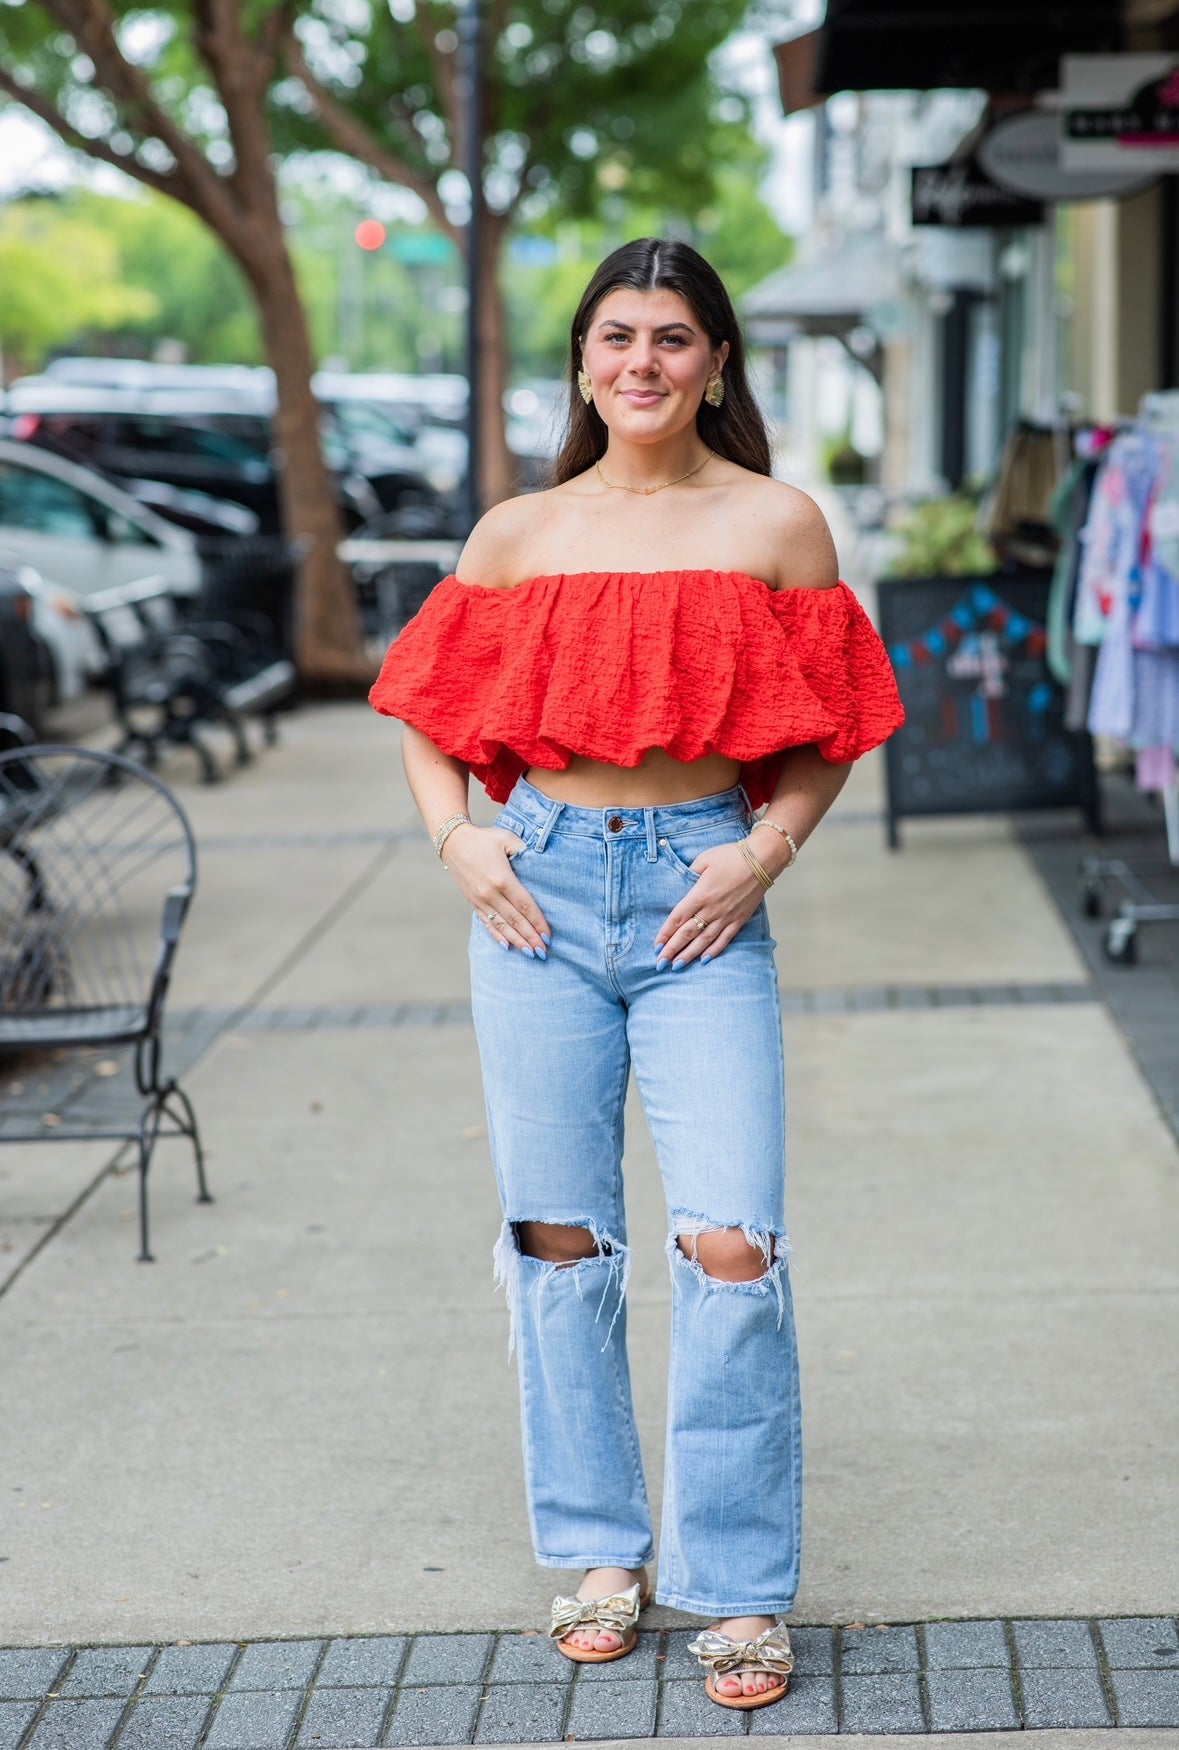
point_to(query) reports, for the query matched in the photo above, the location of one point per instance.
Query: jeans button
(615, 823)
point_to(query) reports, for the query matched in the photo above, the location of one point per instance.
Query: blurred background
(252, 313)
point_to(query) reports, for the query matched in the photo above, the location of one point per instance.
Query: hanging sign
(962, 196)
(1120, 112)
(1023, 155)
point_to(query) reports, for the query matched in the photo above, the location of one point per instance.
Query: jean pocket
(512, 823)
(682, 851)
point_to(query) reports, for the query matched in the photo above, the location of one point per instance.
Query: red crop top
(608, 664)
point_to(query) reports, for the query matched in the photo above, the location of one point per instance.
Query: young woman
(634, 662)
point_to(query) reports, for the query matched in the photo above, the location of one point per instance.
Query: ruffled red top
(608, 664)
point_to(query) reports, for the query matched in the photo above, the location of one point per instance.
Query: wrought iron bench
(170, 676)
(97, 873)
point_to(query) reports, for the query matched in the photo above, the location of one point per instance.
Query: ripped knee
(728, 1254)
(555, 1244)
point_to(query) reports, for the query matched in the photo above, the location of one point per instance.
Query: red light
(24, 426)
(370, 234)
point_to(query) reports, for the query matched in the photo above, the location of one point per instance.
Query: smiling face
(648, 359)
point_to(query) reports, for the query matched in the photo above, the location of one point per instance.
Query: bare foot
(733, 1683)
(603, 1583)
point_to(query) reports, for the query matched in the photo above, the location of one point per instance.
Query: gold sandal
(617, 1615)
(722, 1657)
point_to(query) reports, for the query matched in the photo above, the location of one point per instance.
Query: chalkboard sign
(984, 729)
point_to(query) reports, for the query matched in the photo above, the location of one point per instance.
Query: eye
(617, 335)
(675, 340)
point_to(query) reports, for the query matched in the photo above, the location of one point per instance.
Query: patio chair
(97, 871)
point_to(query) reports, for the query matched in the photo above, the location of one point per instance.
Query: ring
(700, 923)
(493, 917)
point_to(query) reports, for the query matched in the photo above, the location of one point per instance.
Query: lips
(642, 397)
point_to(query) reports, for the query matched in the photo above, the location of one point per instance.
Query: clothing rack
(1158, 416)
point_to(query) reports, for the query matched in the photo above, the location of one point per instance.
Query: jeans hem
(594, 1561)
(697, 1607)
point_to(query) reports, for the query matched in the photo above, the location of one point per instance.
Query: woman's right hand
(478, 858)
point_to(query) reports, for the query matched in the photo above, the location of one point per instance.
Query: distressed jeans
(557, 1040)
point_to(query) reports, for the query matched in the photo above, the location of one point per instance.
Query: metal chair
(97, 872)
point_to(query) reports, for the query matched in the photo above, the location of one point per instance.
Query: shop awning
(907, 45)
(832, 294)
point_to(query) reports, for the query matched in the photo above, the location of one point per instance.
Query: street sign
(1023, 154)
(423, 248)
(1121, 112)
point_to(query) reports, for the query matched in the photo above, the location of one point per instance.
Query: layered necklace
(646, 491)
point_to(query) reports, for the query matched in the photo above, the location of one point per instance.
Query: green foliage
(580, 98)
(940, 538)
(60, 281)
(88, 272)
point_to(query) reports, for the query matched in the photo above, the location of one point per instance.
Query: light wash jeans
(557, 1039)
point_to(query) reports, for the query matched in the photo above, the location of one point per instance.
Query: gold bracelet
(782, 833)
(766, 879)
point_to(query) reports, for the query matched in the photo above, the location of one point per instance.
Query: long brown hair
(735, 429)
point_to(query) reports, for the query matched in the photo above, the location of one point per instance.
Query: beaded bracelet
(782, 833)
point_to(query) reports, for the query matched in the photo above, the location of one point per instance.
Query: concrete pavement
(301, 1421)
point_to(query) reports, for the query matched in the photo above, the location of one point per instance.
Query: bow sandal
(617, 1615)
(722, 1657)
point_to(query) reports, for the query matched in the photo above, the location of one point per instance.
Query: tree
(177, 96)
(582, 99)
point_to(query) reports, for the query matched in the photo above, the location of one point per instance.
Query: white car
(79, 531)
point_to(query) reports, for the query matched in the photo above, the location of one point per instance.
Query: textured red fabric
(610, 664)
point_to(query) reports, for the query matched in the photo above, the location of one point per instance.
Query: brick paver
(364, 1691)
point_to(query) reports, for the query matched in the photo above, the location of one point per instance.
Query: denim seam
(698, 1607)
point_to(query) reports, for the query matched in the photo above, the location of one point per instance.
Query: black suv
(221, 447)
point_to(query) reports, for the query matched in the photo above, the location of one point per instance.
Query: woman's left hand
(725, 896)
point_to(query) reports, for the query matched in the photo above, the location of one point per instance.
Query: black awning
(906, 45)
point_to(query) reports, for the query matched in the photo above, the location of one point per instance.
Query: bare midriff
(656, 781)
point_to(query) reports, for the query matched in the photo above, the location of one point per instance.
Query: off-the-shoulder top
(608, 664)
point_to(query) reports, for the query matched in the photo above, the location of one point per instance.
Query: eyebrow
(663, 328)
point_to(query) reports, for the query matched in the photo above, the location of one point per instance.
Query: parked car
(217, 441)
(79, 531)
(72, 650)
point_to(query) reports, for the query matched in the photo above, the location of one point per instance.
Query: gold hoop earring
(714, 390)
(585, 386)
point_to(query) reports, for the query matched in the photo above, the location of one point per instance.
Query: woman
(634, 661)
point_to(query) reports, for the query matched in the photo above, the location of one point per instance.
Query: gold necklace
(646, 491)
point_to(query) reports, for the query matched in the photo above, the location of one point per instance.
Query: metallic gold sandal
(617, 1615)
(722, 1657)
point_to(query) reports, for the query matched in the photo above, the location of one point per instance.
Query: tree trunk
(328, 644)
(499, 468)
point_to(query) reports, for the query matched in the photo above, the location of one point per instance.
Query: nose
(642, 359)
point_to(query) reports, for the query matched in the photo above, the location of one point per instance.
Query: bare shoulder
(497, 549)
(792, 531)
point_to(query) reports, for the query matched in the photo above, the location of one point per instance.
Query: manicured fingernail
(540, 954)
(529, 953)
(678, 965)
(705, 957)
(501, 941)
(546, 939)
(660, 964)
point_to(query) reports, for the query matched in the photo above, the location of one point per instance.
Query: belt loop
(649, 823)
(550, 823)
(749, 808)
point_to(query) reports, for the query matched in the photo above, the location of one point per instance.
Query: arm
(476, 856)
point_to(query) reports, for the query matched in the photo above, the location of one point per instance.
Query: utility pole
(471, 42)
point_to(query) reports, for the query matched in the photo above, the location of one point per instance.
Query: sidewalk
(301, 1421)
